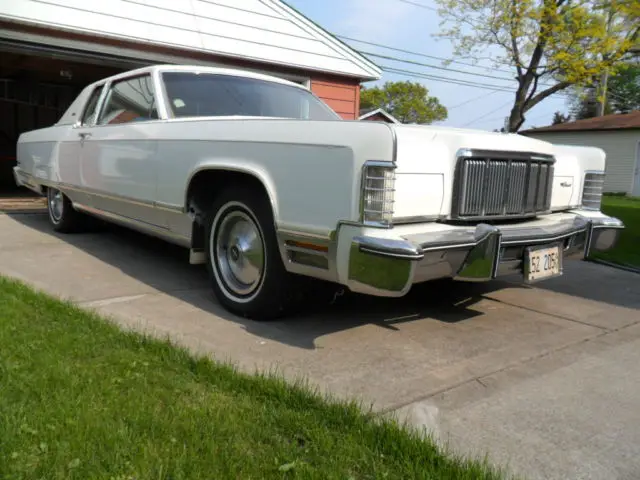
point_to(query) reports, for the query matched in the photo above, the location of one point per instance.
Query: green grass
(627, 209)
(81, 399)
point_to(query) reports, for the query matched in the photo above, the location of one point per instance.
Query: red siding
(341, 96)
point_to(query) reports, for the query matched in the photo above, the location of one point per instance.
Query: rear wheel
(246, 269)
(62, 216)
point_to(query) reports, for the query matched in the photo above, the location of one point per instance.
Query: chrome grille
(496, 185)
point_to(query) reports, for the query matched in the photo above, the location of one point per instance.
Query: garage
(37, 84)
(50, 51)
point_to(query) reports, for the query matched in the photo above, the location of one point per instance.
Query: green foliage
(81, 399)
(408, 101)
(559, 117)
(622, 96)
(624, 88)
(627, 209)
(550, 44)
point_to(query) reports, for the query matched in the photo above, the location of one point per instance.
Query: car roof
(198, 69)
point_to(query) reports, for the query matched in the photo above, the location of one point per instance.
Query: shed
(618, 135)
(377, 115)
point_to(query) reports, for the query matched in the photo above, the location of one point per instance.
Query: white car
(265, 184)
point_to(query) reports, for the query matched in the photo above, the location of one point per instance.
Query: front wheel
(62, 216)
(247, 272)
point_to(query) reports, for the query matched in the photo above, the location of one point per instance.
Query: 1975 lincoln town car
(264, 183)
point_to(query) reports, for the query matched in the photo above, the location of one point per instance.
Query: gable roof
(620, 121)
(370, 112)
(265, 31)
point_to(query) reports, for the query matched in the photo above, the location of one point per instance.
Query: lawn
(627, 209)
(81, 399)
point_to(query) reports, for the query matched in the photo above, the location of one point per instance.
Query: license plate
(542, 262)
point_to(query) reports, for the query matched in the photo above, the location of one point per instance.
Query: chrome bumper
(388, 267)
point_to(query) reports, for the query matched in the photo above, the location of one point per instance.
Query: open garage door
(37, 84)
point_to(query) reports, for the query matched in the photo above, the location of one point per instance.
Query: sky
(410, 25)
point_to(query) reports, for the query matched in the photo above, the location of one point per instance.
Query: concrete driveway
(545, 380)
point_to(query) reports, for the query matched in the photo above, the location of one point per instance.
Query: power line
(466, 83)
(412, 62)
(472, 99)
(420, 5)
(487, 114)
(409, 52)
(433, 57)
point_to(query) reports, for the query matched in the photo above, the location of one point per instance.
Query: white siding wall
(620, 147)
(261, 30)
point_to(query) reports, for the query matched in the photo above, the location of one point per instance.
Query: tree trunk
(516, 117)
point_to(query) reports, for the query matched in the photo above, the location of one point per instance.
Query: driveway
(545, 380)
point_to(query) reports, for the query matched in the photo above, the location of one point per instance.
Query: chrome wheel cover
(239, 252)
(56, 205)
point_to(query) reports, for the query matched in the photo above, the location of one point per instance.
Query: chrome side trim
(137, 225)
(415, 219)
(103, 194)
(168, 207)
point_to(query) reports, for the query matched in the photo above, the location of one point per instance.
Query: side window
(89, 114)
(130, 100)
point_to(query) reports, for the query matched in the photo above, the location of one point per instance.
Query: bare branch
(514, 39)
(544, 94)
(533, 90)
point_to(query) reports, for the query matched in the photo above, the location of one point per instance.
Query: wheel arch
(217, 175)
(206, 180)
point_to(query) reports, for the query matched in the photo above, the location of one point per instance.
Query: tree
(550, 44)
(559, 117)
(622, 96)
(408, 101)
(624, 89)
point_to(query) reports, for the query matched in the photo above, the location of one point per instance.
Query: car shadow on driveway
(165, 267)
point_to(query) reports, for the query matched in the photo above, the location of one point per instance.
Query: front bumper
(390, 265)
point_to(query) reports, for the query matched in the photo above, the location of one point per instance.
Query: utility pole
(603, 93)
(602, 104)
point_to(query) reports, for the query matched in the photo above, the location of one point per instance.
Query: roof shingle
(618, 121)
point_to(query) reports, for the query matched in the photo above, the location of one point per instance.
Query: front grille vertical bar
(484, 187)
(507, 186)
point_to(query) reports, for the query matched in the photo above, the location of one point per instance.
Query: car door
(119, 151)
(68, 172)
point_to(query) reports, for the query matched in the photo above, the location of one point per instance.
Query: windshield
(192, 94)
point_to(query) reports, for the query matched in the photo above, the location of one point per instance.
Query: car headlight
(592, 190)
(378, 187)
